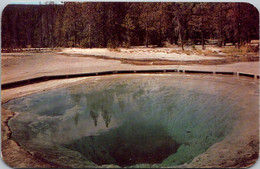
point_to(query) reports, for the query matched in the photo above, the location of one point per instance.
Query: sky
(34, 2)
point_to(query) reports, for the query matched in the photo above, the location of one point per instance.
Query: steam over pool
(130, 120)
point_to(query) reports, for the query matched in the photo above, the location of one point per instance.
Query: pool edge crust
(40, 79)
(11, 150)
(35, 159)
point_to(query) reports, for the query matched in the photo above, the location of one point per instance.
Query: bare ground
(19, 66)
(165, 56)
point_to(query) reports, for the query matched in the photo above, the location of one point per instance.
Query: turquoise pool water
(130, 120)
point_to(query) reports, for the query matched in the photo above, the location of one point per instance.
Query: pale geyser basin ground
(138, 53)
(197, 113)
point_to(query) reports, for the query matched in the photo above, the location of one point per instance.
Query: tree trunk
(180, 34)
(180, 29)
(128, 37)
(202, 40)
(41, 36)
(29, 34)
(15, 39)
(89, 36)
(202, 31)
(239, 27)
(74, 25)
(160, 27)
(146, 36)
(220, 43)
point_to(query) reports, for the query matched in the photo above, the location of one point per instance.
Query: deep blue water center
(128, 120)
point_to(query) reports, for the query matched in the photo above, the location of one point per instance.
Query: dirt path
(19, 66)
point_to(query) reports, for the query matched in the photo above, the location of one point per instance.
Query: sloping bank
(239, 149)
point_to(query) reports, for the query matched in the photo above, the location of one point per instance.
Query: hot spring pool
(131, 120)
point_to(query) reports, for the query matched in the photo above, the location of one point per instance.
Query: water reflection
(107, 117)
(102, 103)
(128, 144)
(126, 121)
(76, 119)
(94, 115)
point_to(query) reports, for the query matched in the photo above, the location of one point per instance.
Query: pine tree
(129, 26)
(146, 20)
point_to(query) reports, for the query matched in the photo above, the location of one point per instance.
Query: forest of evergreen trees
(125, 24)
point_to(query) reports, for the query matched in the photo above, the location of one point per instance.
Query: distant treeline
(114, 24)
